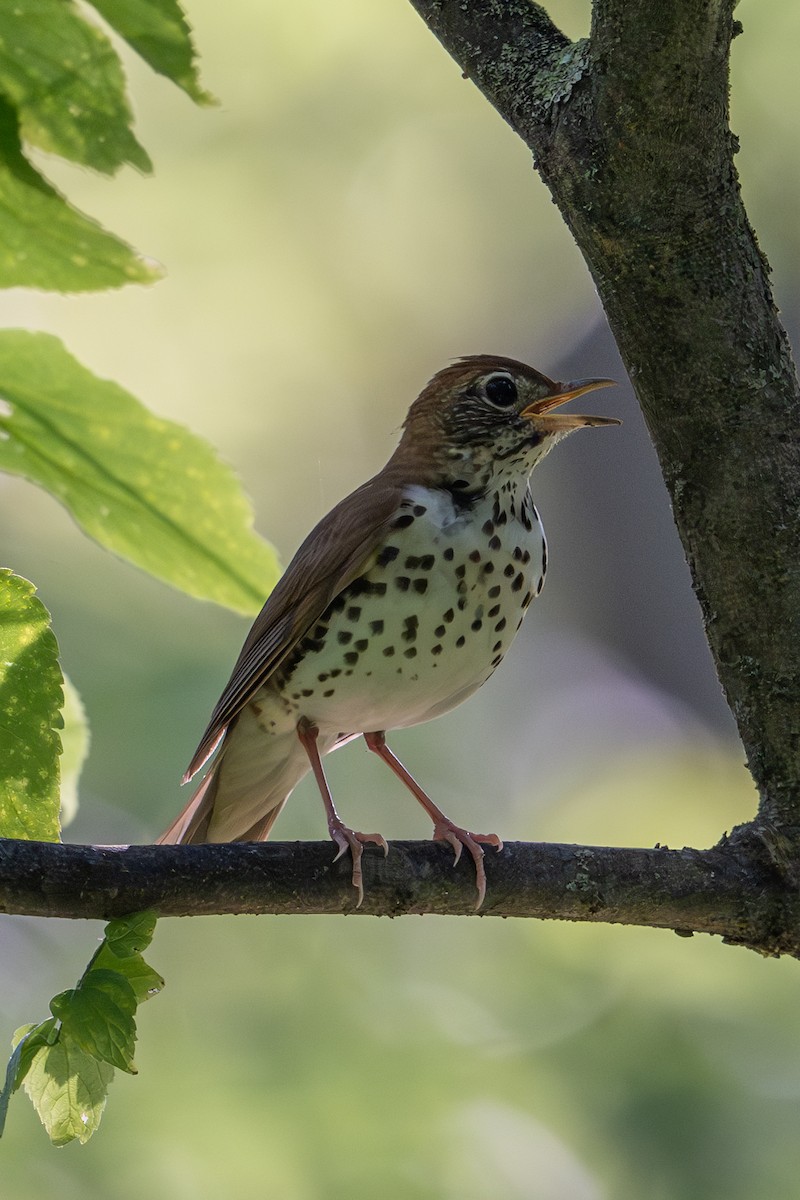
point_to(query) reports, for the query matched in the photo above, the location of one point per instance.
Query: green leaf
(64, 78)
(143, 979)
(45, 243)
(126, 936)
(74, 749)
(30, 714)
(160, 33)
(98, 1016)
(145, 488)
(68, 1088)
(25, 1044)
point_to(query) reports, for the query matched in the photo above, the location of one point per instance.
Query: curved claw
(350, 839)
(458, 838)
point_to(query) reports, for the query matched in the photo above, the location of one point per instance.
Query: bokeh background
(351, 217)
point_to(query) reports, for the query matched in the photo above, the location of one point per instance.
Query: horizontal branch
(730, 890)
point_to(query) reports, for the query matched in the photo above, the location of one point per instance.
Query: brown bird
(397, 606)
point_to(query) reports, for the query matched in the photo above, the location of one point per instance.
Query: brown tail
(245, 789)
(191, 824)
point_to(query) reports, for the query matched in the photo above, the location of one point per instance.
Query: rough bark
(722, 891)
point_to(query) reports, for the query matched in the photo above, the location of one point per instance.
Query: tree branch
(732, 890)
(630, 132)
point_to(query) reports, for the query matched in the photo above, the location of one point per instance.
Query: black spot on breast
(508, 571)
(320, 631)
(437, 649)
(501, 518)
(496, 661)
(376, 627)
(307, 692)
(497, 646)
(477, 624)
(426, 562)
(403, 583)
(353, 612)
(410, 625)
(475, 556)
(500, 626)
(351, 658)
(375, 589)
(403, 521)
(411, 562)
(494, 592)
(488, 568)
(421, 586)
(440, 631)
(358, 587)
(518, 583)
(495, 543)
(361, 644)
(460, 641)
(448, 616)
(388, 651)
(329, 692)
(488, 527)
(461, 571)
(448, 553)
(388, 554)
(493, 611)
(344, 637)
(337, 605)
(336, 672)
(411, 652)
(544, 558)
(462, 603)
(419, 510)
(312, 645)
(321, 678)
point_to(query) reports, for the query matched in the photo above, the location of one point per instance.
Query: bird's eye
(500, 390)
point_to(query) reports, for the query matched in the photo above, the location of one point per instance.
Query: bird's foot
(349, 839)
(446, 831)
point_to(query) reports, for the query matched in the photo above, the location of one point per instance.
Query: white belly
(456, 593)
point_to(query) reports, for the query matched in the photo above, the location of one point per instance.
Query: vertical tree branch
(630, 132)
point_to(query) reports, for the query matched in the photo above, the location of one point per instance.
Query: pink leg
(443, 828)
(346, 839)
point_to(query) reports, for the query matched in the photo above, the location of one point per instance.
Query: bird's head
(487, 411)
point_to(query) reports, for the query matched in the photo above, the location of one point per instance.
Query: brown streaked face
(501, 403)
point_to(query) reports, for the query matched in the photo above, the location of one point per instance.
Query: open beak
(540, 410)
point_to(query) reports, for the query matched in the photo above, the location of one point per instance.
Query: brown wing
(335, 553)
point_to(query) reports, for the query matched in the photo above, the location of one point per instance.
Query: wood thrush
(397, 606)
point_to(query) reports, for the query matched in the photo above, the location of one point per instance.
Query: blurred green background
(351, 217)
